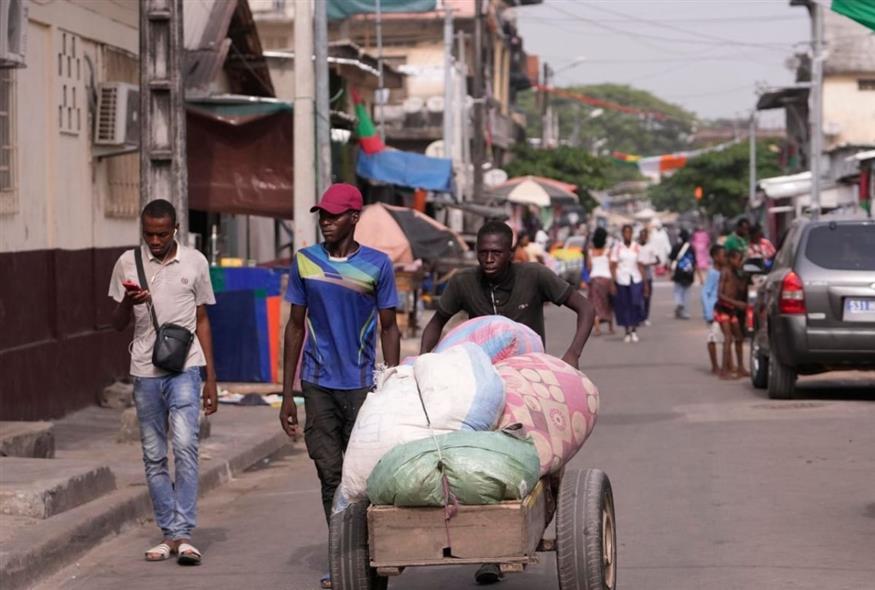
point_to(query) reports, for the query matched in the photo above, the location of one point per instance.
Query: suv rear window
(842, 246)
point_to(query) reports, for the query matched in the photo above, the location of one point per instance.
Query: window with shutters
(122, 172)
(8, 190)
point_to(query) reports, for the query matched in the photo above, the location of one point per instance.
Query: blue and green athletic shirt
(342, 296)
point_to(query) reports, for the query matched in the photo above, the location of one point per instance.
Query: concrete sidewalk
(31, 548)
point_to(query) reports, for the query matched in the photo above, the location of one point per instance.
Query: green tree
(568, 164)
(614, 130)
(723, 177)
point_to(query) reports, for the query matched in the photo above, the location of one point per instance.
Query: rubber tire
(781, 379)
(759, 367)
(348, 557)
(580, 564)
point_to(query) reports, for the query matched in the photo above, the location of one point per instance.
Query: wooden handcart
(368, 544)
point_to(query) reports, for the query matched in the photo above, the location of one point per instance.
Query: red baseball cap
(339, 198)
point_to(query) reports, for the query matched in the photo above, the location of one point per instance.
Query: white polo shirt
(178, 287)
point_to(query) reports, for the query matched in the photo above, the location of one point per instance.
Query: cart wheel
(586, 533)
(349, 562)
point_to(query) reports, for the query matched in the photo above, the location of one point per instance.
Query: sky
(709, 56)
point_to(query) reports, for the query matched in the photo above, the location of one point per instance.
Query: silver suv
(815, 310)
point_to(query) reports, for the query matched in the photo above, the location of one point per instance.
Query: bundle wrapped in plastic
(457, 389)
(556, 405)
(480, 468)
(498, 336)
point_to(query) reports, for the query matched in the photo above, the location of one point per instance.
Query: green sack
(481, 467)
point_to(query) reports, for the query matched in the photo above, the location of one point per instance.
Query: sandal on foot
(188, 555)
(159, 552)
(489, 573)
(325, 582)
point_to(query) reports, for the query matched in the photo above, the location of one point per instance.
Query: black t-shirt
(519, 295)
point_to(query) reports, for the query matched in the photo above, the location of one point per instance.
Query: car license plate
(859, 310)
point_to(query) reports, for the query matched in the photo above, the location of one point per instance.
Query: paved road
(715, 487)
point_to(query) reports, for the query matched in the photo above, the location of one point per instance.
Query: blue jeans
(680, 295)
(173, 400)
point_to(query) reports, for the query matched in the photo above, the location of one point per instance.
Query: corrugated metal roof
(222, 34)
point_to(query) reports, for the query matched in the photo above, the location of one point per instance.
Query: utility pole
(546, 119)
(575, 133)
(163, 171)
(323, 106)
(479, 155)
(752, 162)
(380, 98)
(464, 128)
(305, 162)
(448, 84)
(816, 117)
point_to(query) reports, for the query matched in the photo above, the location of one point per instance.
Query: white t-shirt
(626, 258)
(178, 287)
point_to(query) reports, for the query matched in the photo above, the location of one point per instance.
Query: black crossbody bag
(172, 341)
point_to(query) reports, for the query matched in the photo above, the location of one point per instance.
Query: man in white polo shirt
(178, 289)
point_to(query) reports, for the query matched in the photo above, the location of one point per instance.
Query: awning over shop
(240, 156)
(406, 169)
(798, 188)
(782, 187)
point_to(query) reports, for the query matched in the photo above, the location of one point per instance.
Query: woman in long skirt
(601, 283)
(628, 274)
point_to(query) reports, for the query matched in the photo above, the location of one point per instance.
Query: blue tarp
(240, 336)
(407, 169)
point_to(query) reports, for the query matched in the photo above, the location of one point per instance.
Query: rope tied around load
(450, 502)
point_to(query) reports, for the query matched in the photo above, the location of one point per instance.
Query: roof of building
(221, 34)
(778, 98)
(850, 46)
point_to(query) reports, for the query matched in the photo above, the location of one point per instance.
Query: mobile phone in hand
(131, 286)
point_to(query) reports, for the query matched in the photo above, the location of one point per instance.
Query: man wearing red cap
(337, 289)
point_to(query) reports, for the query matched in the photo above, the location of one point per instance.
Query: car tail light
(792, 299)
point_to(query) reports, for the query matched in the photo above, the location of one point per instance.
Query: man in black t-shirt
(516, 291)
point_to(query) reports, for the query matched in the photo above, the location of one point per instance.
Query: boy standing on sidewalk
(179, 288)
(709, 300)
(337, 289)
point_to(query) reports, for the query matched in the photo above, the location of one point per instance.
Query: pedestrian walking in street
(337, 289)
(738, 240)
(709, 295)
(661, 243)
(601, 283)
(648, 259)
(683, 272)
(730, 308)
(628, 274)
(516, 291)
(166, 287)
(701, 242)
(760, 247)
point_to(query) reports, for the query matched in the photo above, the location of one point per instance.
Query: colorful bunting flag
(369, 139)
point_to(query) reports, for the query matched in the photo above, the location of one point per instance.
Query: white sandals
(159, 552)
(188, 555)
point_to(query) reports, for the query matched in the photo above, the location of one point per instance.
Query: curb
(76, 531)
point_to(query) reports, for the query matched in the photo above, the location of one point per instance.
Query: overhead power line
(704, 38)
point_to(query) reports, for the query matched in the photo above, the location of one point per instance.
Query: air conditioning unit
(116, 124)
(13, 33)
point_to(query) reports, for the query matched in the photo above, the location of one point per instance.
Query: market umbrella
(406, 234)
(645, 214)
(536, 190)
